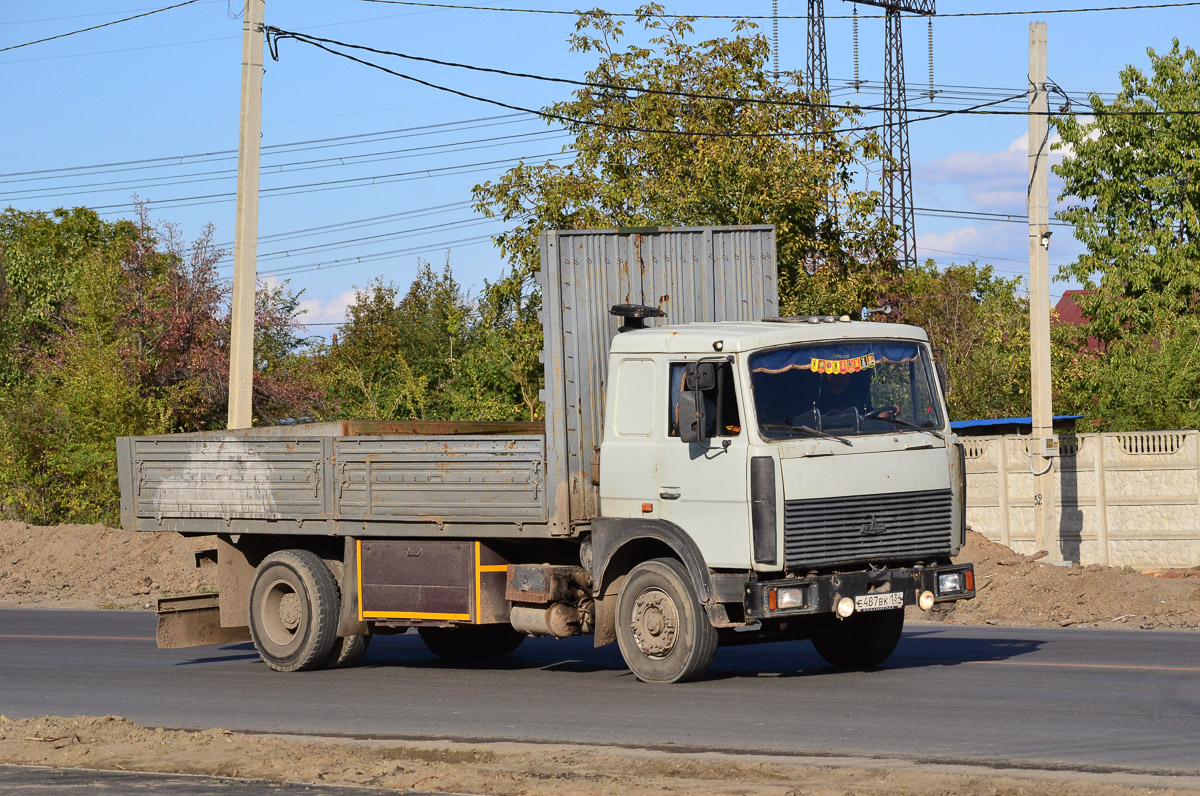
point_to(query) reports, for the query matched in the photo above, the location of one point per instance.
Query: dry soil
(98, 567)
(509, 769)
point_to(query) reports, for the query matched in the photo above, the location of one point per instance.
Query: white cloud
(1000, 245)
(953, 241)
(993, 181)
(332, 309)
(974, 165)
(314, 309)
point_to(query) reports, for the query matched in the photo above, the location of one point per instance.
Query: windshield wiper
(808, 430)
(907, 424)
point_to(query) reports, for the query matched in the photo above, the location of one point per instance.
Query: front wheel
(863, 641)
(294, 611)
(664, 634)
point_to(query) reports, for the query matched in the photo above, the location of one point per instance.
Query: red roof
(1069, 314)
(1068, 310)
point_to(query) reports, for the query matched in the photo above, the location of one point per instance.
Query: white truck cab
(808, 463)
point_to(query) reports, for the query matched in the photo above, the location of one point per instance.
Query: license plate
(879, 602)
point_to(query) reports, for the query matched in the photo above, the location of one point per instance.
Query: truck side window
(720, 403)
(635, 387)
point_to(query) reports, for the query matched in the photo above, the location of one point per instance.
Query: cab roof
(739, 336)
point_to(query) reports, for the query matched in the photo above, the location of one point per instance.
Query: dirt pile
(1023, 590)
(90, 565)
(502, 768)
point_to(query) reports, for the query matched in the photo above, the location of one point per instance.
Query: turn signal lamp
(970, 580)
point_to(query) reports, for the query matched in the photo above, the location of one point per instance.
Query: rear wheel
(664, 634)
(466, 642)
(293, 611)
(347, 651)
(863, 641)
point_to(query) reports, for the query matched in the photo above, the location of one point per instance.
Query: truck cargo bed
(346, 479)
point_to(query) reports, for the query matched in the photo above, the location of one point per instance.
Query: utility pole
(245, 246)
(1038, 202)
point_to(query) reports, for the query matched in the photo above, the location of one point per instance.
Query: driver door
(703, 486)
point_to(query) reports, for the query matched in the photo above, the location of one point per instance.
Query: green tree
(981, 324)
(499, 376)
(672, 150)
(1131, 181)
(366, 375)
(433, 354)
(40, 257)
(114, 329)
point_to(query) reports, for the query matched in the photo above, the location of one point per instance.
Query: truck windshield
(844, 389)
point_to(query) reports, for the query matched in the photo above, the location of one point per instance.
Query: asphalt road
(1085, 700)
(41, 781)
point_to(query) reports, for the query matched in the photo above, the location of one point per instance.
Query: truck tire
(664, 634)
(467, 642)
(866, 640)
(294, 611)
(347, 651)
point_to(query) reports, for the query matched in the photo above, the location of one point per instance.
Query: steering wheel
(875, 414)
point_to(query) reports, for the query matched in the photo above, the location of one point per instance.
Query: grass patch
(116, 605)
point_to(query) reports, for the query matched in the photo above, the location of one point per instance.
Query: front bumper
(820, 594)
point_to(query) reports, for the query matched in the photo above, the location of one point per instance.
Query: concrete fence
(1122, 499)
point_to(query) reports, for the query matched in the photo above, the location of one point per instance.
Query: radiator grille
(863, 528)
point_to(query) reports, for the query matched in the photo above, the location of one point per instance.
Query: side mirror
(700, 376)
(691, 416)
(943, 379)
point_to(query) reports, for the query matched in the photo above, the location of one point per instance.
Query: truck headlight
(791, 598)
(950, 582)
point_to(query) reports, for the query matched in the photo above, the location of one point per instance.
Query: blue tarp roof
(1005, 421)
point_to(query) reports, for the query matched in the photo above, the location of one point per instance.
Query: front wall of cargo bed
(364, 485)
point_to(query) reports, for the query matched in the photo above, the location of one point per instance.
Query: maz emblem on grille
(873, 527)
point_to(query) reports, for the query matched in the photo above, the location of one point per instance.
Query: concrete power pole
(245, 247)
(1045, 447)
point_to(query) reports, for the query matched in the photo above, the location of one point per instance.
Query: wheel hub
(289, 611)
(655, 623)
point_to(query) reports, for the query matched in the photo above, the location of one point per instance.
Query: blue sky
(152, 106)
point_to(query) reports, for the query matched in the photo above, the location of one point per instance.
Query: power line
(96, 27)
(276, 33)
(278, 168)
(1011, 218)
(1139, 7)
(307, 232)
(321, 143)
(984, 257)
(8, 22)
(328, 185)
(299, 269)
(341, 244)
(279, 34)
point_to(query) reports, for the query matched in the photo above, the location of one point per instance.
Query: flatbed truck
(719, 475)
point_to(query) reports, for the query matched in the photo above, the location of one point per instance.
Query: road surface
(1087, 700)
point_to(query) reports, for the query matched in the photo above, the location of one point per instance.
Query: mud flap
(194, 621)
